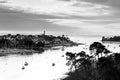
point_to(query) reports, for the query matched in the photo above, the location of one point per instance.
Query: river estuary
(40, 66)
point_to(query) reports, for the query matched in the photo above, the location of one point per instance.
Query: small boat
(26, 64)
(23, 68)
(53, 64)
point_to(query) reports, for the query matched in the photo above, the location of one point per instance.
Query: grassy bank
(5, 52)
(9, 51)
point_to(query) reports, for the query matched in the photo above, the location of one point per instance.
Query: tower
(44, 32)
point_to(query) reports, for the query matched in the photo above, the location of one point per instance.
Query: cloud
(76, 24)
(3, 1)
(113, 3)
(95, 1)
(78, 17)
(114, 26)
(59, 8)
(86, 27)
(64, 0)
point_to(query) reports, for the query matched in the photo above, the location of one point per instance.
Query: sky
(91, 18)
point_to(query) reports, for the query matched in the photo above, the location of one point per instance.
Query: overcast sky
(69, 17)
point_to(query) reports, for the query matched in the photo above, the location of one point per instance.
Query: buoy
(23, 68)
(53, 64)
(26, 64)
(62, 55)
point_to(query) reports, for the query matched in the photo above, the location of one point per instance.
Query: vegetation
(32, 41)
(19, 44)
(90, 68)
(115, 38)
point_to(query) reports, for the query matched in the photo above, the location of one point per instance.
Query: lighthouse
(44, 33)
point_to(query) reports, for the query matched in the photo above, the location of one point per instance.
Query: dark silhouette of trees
(25, 43)
(5, 43)
(117, 57)
(107, 67)
(114, 38)
(106, 51)
(82, 67)
(35, 42)
(40, 44)
(81, 54)
(99, 48)
(28, 43)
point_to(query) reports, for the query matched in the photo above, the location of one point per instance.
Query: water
(39, 65)
(113, 46)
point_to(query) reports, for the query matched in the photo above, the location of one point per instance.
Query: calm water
(113, 46)
(39, 65)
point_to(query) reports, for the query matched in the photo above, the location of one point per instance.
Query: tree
(98, 47)
(106, 52)
(39, 45)
(26, 43)
(82, 54)
(5, 43)
(29, 43)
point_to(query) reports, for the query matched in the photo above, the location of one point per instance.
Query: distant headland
(114, 38)
(27, 44)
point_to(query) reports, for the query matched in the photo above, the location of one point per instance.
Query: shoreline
(29, 44)
(8, 51)
(12, 51)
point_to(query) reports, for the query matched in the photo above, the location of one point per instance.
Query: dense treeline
(92, 67)
(115, 38)
(31, 41)
(24, 43)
